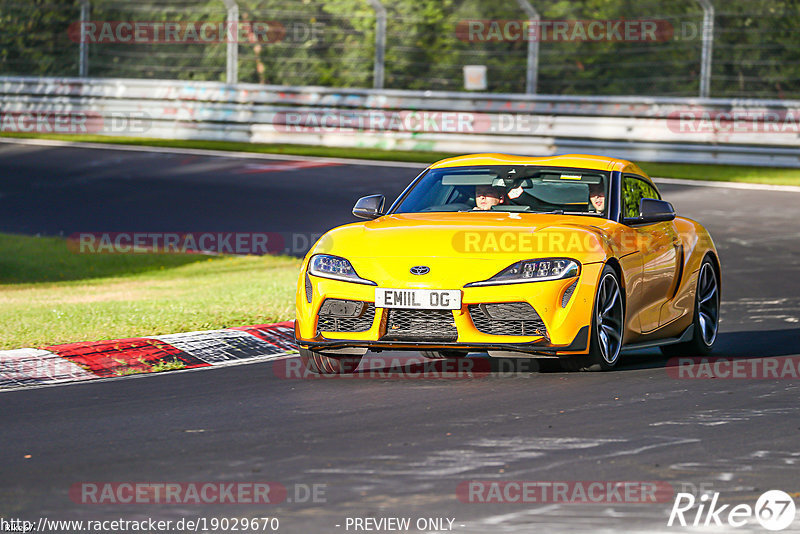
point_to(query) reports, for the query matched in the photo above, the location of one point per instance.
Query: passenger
(487, 196)
(597, 198)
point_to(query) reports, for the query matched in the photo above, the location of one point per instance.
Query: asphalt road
(396, 448)
(62, 191)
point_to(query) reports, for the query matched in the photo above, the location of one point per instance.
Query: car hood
(386, 248)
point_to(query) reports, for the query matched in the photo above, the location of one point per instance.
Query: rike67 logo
(774, 510)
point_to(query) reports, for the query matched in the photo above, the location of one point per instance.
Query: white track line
(345, 161)
(729, 185)
(207, 152)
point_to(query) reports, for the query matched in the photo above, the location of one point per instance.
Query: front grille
(419, 325)
(507, 319)
(360, 321)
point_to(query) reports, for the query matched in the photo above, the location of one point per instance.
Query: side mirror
(370, 207)
(652, 211)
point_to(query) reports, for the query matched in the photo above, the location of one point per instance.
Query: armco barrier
(638, 128)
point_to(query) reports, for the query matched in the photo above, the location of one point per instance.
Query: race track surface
(395, 448)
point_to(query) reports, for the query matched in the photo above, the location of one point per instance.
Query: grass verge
(723, 173)
(172, 365)
(49, 295)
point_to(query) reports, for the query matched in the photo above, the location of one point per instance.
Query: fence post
(708, 47)
(532, 70)
(232, 56)
(380, 43)
(83, 50)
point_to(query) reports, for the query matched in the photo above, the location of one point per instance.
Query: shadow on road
(745, 345)
(758, 343)
(749, 344)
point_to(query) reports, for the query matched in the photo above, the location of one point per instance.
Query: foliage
(332, 43)
(633, 191)
(34, 37)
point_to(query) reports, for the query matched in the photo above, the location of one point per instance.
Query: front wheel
(706, 316)
(608, 320)
(322, 364)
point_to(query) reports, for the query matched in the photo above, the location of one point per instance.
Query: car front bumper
(565, 327)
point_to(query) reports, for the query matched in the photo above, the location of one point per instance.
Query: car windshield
(518, 188)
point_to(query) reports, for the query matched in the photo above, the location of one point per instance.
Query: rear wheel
(706, 315)
(322, 364)
(605, 341)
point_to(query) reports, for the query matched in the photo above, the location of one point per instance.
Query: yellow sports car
(572, 257)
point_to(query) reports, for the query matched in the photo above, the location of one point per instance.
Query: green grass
(724, 173)
(730, 173)
(158, 367)
(49, 295)
(167, 366)
(48, 259)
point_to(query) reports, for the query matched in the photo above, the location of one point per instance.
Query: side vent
(568, 293)
(309, 290)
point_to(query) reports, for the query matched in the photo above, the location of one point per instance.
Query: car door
(659, 244)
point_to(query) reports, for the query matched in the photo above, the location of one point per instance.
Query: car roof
(580, 161)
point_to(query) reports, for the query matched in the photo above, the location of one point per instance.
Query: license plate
(423, 299)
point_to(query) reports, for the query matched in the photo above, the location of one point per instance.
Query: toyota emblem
(420, 269)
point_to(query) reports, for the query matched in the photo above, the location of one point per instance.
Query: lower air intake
(420, 325)
(336, 315)
(507, 319)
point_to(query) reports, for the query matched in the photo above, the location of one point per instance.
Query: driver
(597, 198)
(487, 196)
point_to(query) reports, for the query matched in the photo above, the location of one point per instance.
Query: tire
(608, 322)
(706, 315)
(320, 364)
(443, 354)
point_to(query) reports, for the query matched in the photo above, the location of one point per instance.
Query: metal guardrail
(752, 132)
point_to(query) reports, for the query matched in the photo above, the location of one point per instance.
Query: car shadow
(748, 344)
(745, 345)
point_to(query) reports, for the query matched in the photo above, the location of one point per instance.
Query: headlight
(533, 271)
(336, 268)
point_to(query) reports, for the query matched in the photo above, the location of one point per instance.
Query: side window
(634, 189)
